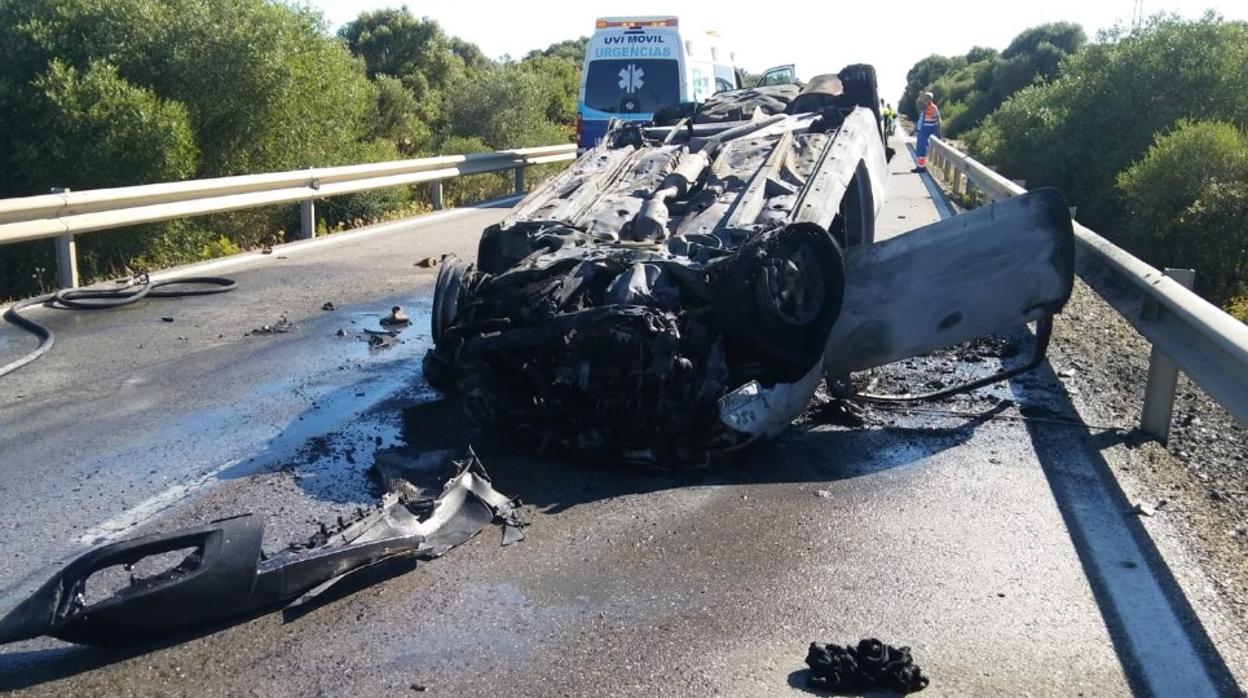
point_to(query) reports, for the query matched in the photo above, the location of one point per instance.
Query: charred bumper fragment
(225, 574)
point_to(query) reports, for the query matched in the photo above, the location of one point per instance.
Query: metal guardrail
(64, 214)
(1186, 331)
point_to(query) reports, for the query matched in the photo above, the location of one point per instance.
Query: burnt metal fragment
(225, 575)
(282, 326)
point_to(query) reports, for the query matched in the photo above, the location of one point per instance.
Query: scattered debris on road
(224, 574)
(871, 666)
(397, 317)
(166, 319)
(327, 306)
(428, 262)
(1141, 509)
(381, 340)
(282, 326)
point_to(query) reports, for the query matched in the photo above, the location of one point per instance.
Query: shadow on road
(29, 668)
(1159, 639)
(814, 454)
(800, 680)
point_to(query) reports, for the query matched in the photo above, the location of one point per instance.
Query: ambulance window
(632, 86)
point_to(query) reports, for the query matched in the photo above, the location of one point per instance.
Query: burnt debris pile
(870, 666)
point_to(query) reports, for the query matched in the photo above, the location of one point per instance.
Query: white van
(634, 65)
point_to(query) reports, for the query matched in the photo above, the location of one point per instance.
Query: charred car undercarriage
(674, 294)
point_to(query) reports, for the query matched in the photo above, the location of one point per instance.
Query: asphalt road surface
(999, 550)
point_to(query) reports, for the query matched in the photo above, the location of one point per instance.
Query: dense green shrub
(505, 107)
(1187, 204)
(100, 130)
(922, 74)
(968, 88)
(475, 187)
(1101, 114)
(97, 93)
(416, 52)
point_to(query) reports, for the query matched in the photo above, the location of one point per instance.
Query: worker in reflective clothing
(889, 116)
(929, 125)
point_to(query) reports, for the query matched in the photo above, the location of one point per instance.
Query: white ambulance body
(635, 65)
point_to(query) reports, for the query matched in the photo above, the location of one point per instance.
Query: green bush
(968, 88)
(922, 74)
(506, 107)
(1187, 204)
(98, 130)
(98, 93)
(1238, 308)
(398, 118)
(470, 189)
(1110, 99)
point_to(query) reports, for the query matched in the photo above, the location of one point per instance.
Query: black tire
(861, 89)
(782, 336)
(739, 105)
(670, 114)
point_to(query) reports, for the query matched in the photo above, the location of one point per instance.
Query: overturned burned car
(682, 288)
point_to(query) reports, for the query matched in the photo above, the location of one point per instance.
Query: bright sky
(818, 37)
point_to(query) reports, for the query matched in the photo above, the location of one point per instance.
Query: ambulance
(634, 65)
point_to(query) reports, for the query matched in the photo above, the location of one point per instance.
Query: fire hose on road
(102, 299)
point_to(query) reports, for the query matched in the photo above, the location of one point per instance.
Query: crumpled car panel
(226, 576)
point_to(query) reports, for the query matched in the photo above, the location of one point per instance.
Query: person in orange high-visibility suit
(929, 125)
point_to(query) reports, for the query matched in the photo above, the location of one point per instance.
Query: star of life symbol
(630, 78)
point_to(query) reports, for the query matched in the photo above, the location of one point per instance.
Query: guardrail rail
(63, 214)
(1186, 331)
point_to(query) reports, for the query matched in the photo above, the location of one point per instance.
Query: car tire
(861, 89)
(739, 105)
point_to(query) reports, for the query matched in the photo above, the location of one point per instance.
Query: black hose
(101, 299)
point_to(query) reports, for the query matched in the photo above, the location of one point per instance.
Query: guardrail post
(307, 219)
(66, 254)
(435, 193)
(520, 180)
(307, 211)
(956, 185)
(1163, 376)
